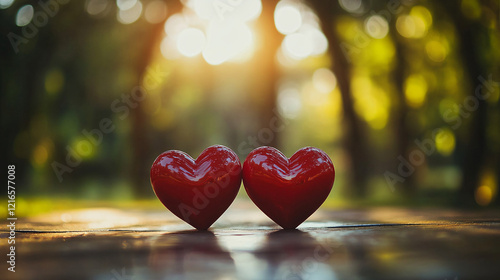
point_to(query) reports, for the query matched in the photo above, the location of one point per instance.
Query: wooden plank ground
(377, 243)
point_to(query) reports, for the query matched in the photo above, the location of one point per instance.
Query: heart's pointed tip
(289, 227)
(203, 229)
(200, 226)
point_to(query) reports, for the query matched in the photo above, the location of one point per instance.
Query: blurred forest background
(402, 94)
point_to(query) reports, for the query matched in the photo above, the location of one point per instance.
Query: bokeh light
(227, 41)
(219, 37)
(297, 46)
(126, 4)
(190, 42)
(445, 142)
(319, 43)
(175, 24)
(483, 195)
(95, 7)
(168, 48)
(24, 15)
(216, 10)
(324, 80)
(156, 11)
(471, 8)
(370, 102)
(287, 19)
(353, 6)
(4, 4)
(289, 102)
(436, 51)
(40, 155)
(415, 90)
(411, 26)
(303, 35)
(423, 14)
(54, 82)
(377, 26)
(127, 14)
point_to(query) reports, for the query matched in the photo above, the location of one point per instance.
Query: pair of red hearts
(199, 191)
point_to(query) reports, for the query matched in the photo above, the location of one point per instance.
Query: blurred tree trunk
(355, 138)
(474, 159)
(140, 164)
(496, 159)
(401, 131)
(141, 161)
(268, 69)
(22, 74)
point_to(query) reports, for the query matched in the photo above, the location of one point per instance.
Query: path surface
(380, 243)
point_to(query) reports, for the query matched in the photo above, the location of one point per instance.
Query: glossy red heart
(288, 190)
(197, 191)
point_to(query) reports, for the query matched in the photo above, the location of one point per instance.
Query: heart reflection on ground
(294, 254)
(283, 254)
(184, 255)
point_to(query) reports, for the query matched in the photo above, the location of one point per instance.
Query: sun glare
(220, 31)
(227, 41)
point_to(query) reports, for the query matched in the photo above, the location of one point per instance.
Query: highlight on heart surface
(198, 190)
(288, 190)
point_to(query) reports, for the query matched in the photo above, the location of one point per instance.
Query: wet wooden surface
(377, 243)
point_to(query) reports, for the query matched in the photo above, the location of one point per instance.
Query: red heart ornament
(197, 191)
(288, 190)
